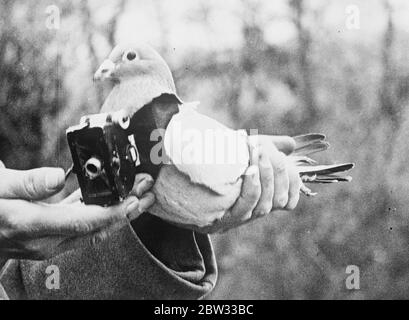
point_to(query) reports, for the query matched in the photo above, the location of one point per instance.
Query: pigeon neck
(135, 93)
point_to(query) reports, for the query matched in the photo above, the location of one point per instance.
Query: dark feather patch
(325, 169)
(308, 138)
(311, 148)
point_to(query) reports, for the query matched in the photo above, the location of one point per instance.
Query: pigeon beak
(105, 71)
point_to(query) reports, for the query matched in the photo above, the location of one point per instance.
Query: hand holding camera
(31, 229)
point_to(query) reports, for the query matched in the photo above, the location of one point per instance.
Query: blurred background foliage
(283, 67)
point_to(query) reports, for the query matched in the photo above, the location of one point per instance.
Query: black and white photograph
(220, 152)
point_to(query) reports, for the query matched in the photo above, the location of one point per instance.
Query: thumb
(284, 144)
(34, 184)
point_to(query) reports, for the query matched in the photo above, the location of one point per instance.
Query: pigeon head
(139, 75)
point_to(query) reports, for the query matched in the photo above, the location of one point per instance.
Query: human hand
(34, 230)
(270, 183)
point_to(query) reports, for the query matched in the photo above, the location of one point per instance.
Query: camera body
(110, 149)
(105, 157)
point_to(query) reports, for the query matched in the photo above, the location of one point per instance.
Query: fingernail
(148, 182)
(142, 208)
(145, 185)
(54, 179)
(132, 205)
(282, 202)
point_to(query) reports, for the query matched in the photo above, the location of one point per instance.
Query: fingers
(145, 202)
(75, 220)
(294, 188)
(143, 183)
(281, 179)
(243, 208)
(280, 182)
(284, 144)
(287, 182)
(265, 203)
(26, 220)
(250, 191)
(34, 184)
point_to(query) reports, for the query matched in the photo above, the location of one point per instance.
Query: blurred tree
(305, 79)
(389, 106)
(30, 89)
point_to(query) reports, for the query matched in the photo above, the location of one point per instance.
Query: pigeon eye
(131, 56)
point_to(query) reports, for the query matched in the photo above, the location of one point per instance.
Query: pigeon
(139, 75)
(207, 164)
(197, 182)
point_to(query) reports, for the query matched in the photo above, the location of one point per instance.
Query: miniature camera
(105, 157)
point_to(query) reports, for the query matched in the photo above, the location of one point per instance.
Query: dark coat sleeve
(152, 260)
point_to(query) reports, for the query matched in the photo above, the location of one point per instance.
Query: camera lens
(93, 168)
